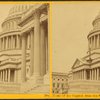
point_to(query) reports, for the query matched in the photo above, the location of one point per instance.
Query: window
(53, 84)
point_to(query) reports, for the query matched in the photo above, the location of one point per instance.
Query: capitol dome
(96, 22)
(94, 35)
(14, 16)
(19, 9)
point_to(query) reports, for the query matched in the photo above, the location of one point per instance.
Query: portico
(38, 34)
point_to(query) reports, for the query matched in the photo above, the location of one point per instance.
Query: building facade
(85, 71)
(24, 49)
(59, 83)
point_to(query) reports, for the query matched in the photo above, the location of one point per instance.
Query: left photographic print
(24, 46)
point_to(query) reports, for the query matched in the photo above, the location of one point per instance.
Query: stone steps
(44, 89)
(8, 88)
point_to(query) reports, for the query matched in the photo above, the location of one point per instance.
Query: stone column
(20, 42)
(97, 73)
(84, 74)
(3, 76)
(32, 53)
(43, 50)
(47, 69)
(97, 41)
(37, 44)
(92, 74)
(8, 75)
(15, 75)
(81, 74)
(13, 41)
(23, 67)
(7, 42)
(92, 42)
(11, 45)
(17, 40)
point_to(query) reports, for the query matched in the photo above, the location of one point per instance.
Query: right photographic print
(76, 47)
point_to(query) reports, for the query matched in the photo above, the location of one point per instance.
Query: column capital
(37, 13)
(32, 30)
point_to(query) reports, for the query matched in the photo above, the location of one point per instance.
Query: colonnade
(8, 75)
(87, 74)
(10, 42)
(94, 41)
(38, 49)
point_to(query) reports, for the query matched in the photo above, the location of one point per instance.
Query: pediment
(77, 63)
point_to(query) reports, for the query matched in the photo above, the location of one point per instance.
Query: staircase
(9, 87)
(41, 89)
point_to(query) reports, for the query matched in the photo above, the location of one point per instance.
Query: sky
(71, 23)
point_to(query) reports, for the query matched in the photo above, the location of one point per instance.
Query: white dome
(19, 8)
